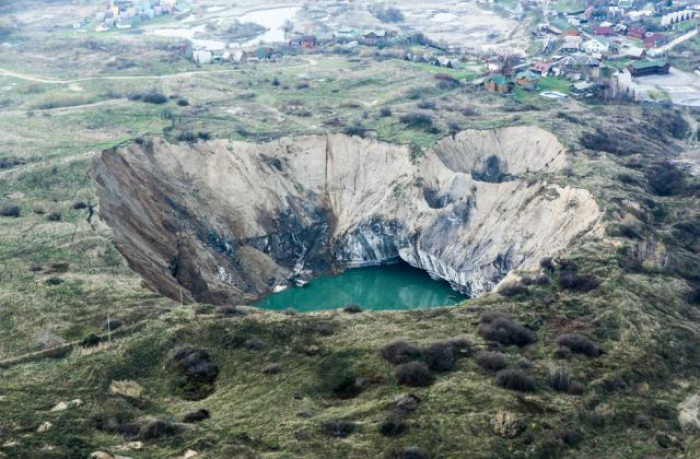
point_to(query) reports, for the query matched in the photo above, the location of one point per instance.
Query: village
(127, 14)
(576, 49)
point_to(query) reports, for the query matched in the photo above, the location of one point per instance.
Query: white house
(597, 45)
(571, 43)
(202, 56)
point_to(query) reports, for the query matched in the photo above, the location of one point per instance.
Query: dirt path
(37, 79)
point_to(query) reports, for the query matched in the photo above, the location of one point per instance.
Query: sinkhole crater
(226, 222)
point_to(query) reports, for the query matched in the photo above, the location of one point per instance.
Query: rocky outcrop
(225, 221)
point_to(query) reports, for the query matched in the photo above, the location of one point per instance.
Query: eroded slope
(226, 221)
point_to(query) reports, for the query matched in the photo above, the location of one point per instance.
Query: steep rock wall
(225, 222)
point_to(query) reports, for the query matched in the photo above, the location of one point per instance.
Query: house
(637, 32)
(625, 4)
(202, 56)
(633, 52)
(651, 67)
(527, 80)
(668, 20)
(541, 68)
(596, 45)
(655, 40)
(498, 83)
(582, 89)
(239, 56)
(577, 66)
(375, 38)
(346, 34)
(572, 43)
(303, 41)
(264, 53)
(604, 31)
(571, 33)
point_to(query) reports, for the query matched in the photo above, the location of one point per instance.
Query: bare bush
(399, 352)
(579, 344)
(499, 328)
(414, 374)
(515, 380)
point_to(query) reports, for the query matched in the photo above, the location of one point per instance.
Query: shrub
(409, 452)
(571, 280)
(90, 340)
(197, 372)
(571, 437)
(445, 78)
(495, 327)
(515, 380)
(414, 374)
(230, 311)
(399, 352)
(156, 428)
(7, 163)
(461, 346)
(275, 81)
(426, 105)
(418, 120)
(302, 85)
(405, 404)
(440, 356)
(469, 111)
(559, 378)
(187, 137)
(491, 361)
(80, 205)
(666, 179)
(183, 102)
(512, 289)
(112, 324)
(54, 217)
(576, 388)
(389, 15)
(10, 210)
(547, 264)
(579, 344)
(352, 309)
(348, 386)
(536, 280)
(355, 130)
(154, 98)
(385, 112)
(272, 369)
(392, 427)
(693, 296)
(53, 281)
(196, 416)
(338, 428)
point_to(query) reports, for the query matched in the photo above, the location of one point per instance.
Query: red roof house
(605, 31)
(637, 32)
(654, 40)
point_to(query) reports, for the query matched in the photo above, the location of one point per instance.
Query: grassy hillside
(629, 290)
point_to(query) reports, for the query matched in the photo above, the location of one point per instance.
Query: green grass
(554, 84)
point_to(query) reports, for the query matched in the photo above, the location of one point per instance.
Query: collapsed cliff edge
(226, 222)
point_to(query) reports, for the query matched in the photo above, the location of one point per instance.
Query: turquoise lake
(392, 287)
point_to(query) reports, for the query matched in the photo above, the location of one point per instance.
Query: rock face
(225, 222)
